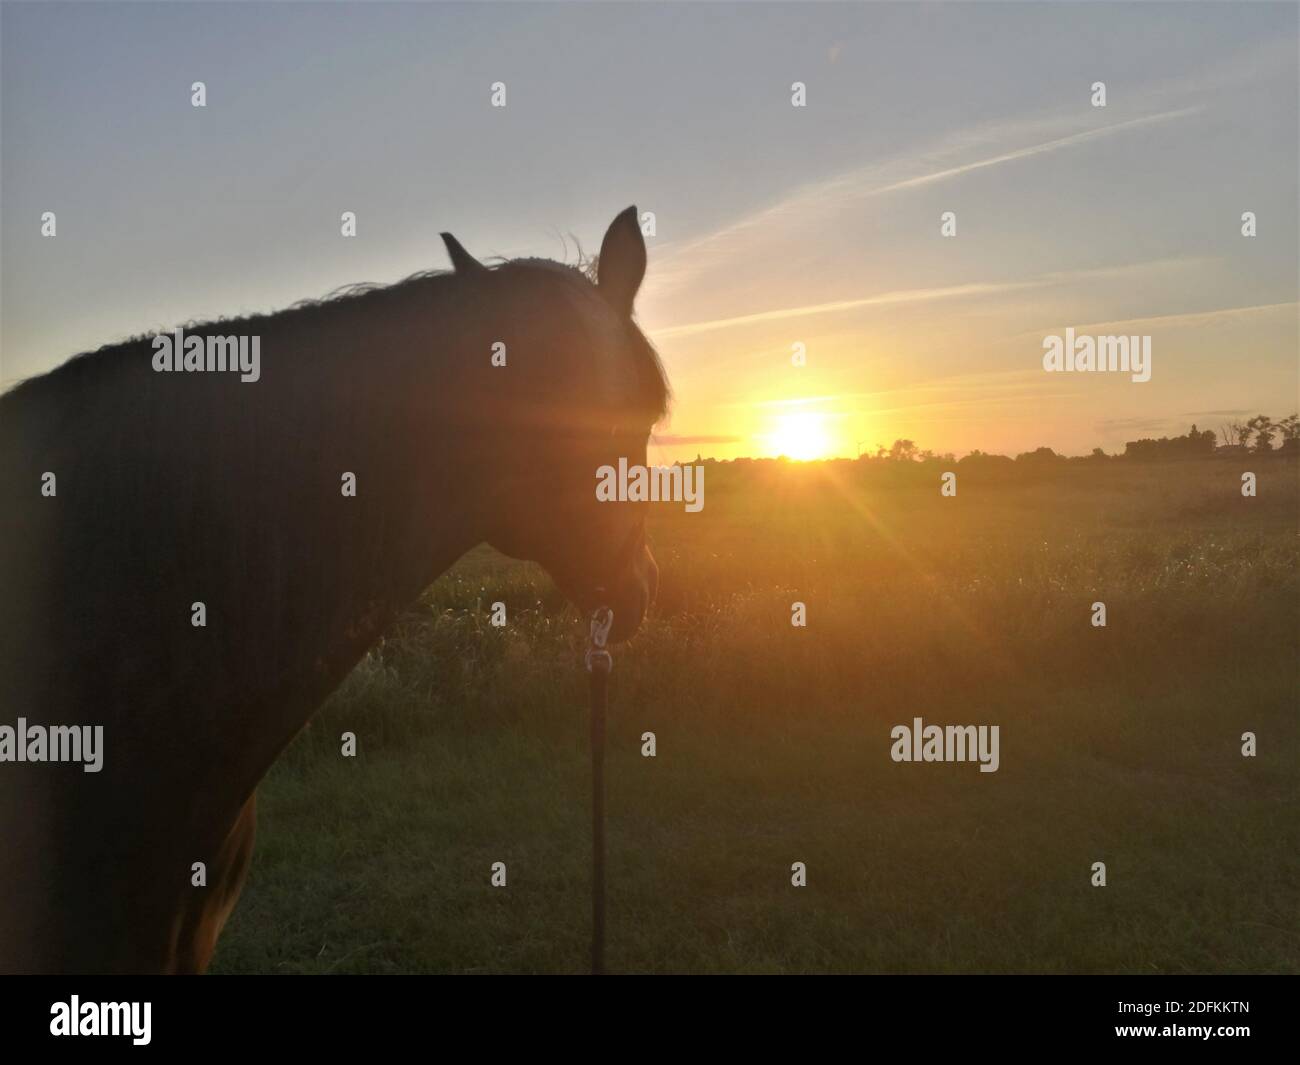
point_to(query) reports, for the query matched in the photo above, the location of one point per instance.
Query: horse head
(578, 387)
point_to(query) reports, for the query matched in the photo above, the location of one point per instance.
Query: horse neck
(322, 573)
(390, 405)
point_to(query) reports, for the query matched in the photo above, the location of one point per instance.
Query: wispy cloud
(1132, 424)
(943, 161)
(1187, 318)
(951, 156)
(973, 290)
(668, 439)
(984, 391)
(991, 380)
(1037, 149)
(887, 298)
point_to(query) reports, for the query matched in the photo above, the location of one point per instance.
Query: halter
(598, 664)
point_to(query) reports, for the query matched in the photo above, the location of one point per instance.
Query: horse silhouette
(172, 489)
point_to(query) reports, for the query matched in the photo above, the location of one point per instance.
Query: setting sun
(801, 436)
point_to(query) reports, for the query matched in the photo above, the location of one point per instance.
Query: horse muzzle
(629, 595)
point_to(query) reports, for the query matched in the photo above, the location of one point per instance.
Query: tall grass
(1119, 744)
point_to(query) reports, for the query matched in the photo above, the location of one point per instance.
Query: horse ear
(462, 260)
(621, 266)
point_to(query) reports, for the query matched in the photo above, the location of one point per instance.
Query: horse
(195, 560)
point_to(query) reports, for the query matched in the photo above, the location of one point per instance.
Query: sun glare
(801, 436)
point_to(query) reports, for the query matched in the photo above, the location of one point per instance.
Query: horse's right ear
(621, 265)
(462, 260)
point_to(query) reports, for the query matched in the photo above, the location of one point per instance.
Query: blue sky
(775, 225)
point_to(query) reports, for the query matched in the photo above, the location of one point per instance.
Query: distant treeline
(1259, 436)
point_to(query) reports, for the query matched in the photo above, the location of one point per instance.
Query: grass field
(1119, 744)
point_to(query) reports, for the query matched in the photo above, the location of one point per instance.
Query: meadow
(1119, 744)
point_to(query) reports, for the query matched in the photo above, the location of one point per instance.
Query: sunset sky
(775, 225)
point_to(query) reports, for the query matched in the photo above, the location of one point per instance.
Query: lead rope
(598, 663)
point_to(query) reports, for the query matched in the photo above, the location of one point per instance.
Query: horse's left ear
(462, 260)
(622, 262)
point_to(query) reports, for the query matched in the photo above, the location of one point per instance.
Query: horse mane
(652, 394)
